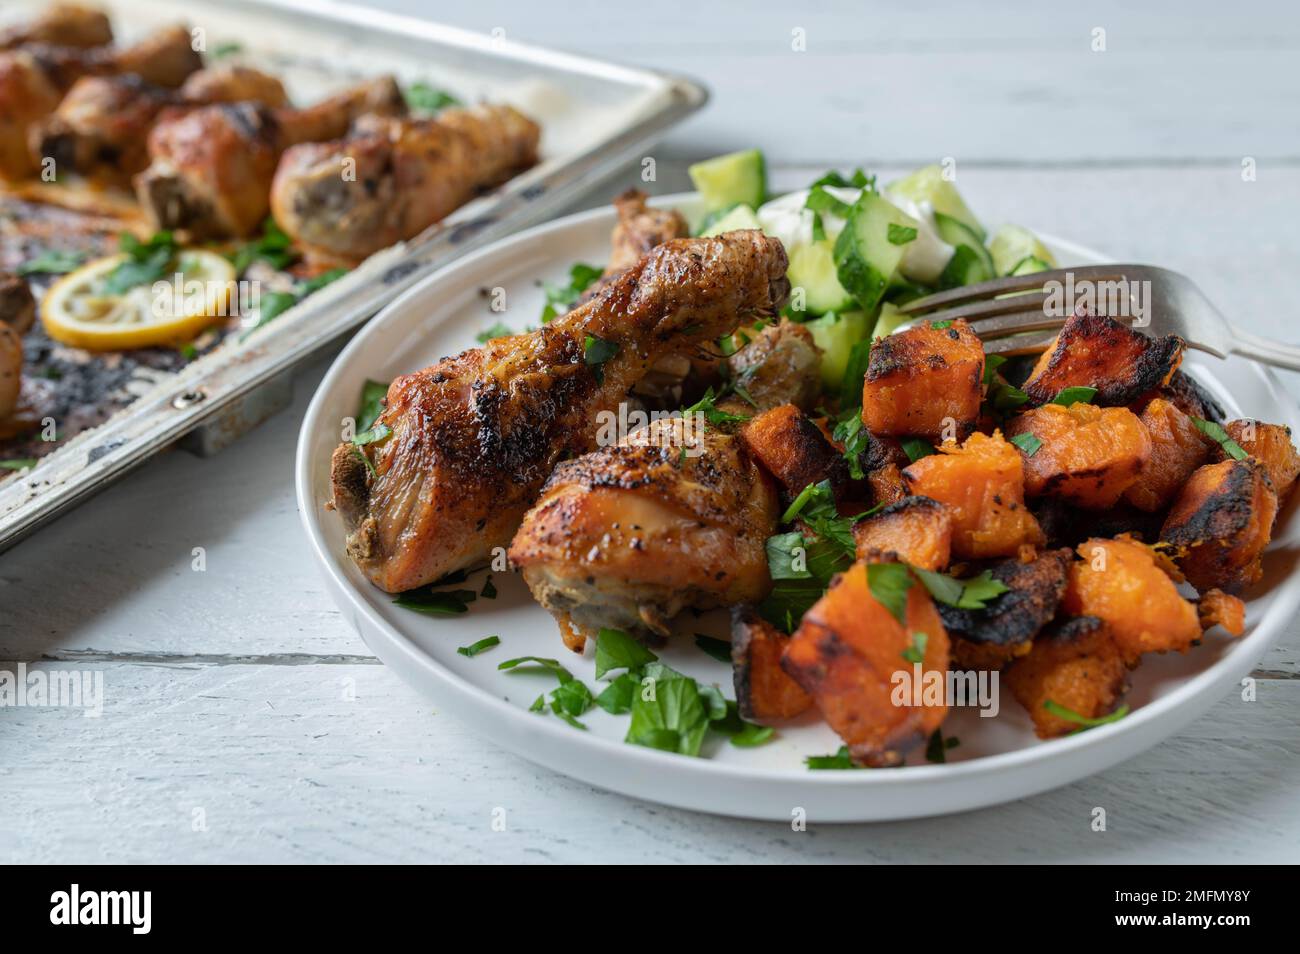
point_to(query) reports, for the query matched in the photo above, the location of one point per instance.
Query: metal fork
(1014, 315)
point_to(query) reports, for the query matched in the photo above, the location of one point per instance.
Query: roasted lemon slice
(84, 308)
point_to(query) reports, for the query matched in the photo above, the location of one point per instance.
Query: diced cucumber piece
(956, 232)
(739, 217)
(836, 335)
(889, 320)
(740, 177)
(929, 185)
(1030, 264)
(1011, 246)
(966, 268)
(812, 268)
(865, 258)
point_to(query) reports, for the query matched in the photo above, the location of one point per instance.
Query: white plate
(998, 759)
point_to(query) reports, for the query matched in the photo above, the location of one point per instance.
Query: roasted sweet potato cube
(1190, 398)
(1086, 455)
(1122, 583)
(1221, 523)
(1098, 352)
(1004, 629)
(848, 653)
(916, 530)
(1270, 444)
(764, 692)
(982, 483)
(1217, 608)
(793, 450)
(1066, 525)
(1177, 448)
(925, 382)
(1077, 666)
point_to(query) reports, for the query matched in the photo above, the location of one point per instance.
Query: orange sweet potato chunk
(1087, 455)
(1098, 352)
(1076, 665)
(1221, 523)
(1217, 608)
(1177, 448)
(917, 530)
(982, 483)
(794, 450)
(764, 693)
(846, 654)
(1270, 444)
(924, 382)
(1121, 583)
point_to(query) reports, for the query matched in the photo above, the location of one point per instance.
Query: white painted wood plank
(286, 769)
(912, 82)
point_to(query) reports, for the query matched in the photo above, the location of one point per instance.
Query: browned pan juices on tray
(146, 118)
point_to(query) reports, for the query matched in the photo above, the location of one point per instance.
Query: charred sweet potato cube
(1221, 523)
(1192, 399)
(917, 530)
(924, 382)
(982, 483)
(764, 692)
(793, 450)
(1098, 352)
(1177, 448)
(887, 484)
(1086, 455)
(1004, 629)
(1066, 525)
(1077, 666)
(1122, 583)
(848, 654)
(1217, 608)
(1270, 444)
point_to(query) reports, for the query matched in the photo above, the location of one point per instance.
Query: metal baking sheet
(595, 116)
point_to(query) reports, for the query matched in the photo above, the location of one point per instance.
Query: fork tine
(1014, 283)
(980, 311)
(1020, 344)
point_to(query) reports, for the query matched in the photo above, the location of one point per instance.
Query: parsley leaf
(669, 714)
(615, 649)
(499, 330)
(901, 234)
(936, 750)
(373, 395)
(1074, 395)
(482, 645)
(1216, 432)
(273, 246)
(889, 583)
(423, 98)
(915, 652)
(145, 263)
(52, 262)
(560, 298)
(917, 447)
(436, 602)
(971, 594)
(719, 649)
(707, 406)
(595, 352)
(1027, 442)
(1085, 723)
(840, 760)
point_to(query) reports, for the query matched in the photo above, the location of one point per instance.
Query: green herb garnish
(18, 463)
(498, 330)
(1028, 443)
(889, 583)
(972, 594)
(1077, 394)
(1216, 432)
(486, 643)
(936, 750)
(840, 760)
(423, 98)
(719, 649)
(273, 246)
(145, 262)
(52, 262)
(560, 298)
(1084, 722)
(615, 649)
(901, 234)
(595, 352)
(915, 652)
(917, 447)
(436, 602)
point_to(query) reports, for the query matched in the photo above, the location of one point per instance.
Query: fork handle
(1266, 350)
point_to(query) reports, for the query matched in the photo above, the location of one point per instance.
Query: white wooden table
(245, 720)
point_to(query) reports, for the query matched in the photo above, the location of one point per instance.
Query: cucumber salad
(859, 249)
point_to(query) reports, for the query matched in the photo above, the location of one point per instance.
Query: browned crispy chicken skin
(211, 168)
(475, 436)
(630, 535)
(638, 230)
(35, 77)
(62, 24)
(102, 125)
(404, 175)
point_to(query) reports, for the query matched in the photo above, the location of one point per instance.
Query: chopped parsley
(615, 649)
(1216, 432)
(144, 263)
(889, 584)
(432, 602)
(1084, 722)
(482, 645)
(18, 463)
(972, 594)
(596, 351)
(1000, 396)
(840, 760)
(373, 395)
(52, 262)
(901, 234)
(936, 750)
(423, 98)
(707, 406)
(915, 652)
(273, 246)
(560, 298)
(499, 330)
(1028, 443)
(1074, 395)
(916, 447)
(372, 435)
(719, 649)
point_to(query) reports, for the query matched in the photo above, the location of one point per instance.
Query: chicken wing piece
(628, 536)
(34, 79)
(473, 438)
(102, 125)
(780, 365)
(407, 174)
(17, 312)
(63, 24)
(211, 168)
(638, 230)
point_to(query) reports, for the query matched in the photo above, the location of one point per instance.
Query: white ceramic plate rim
(1178, 707)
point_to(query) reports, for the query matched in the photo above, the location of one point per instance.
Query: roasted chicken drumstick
(34, 79)
(102, 125)
(473, 438)
(63, 24)
(406, 175)
(211, 168)
(630, 535)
